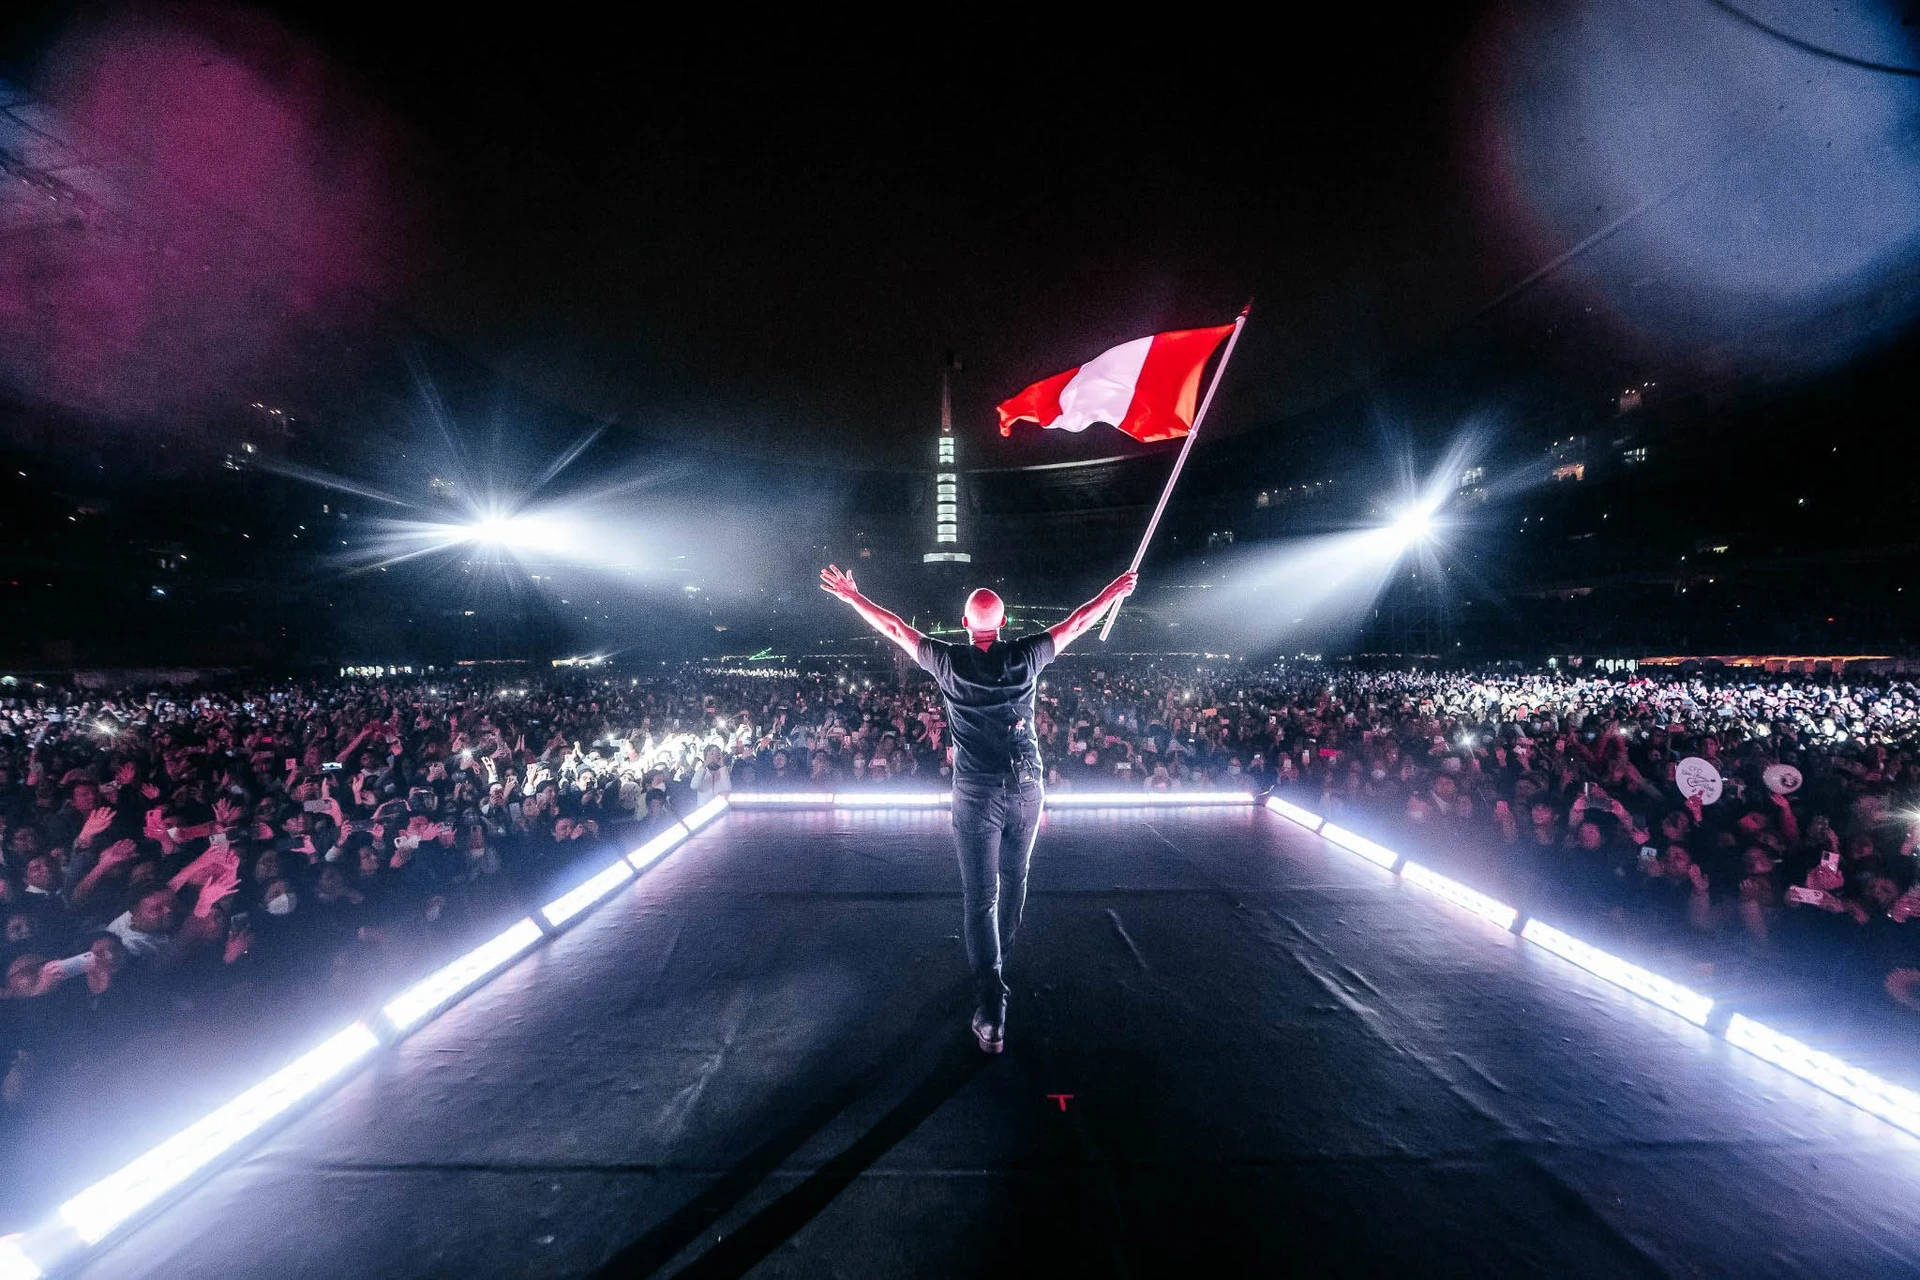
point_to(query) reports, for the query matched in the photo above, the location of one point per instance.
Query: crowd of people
(177, 856)
(1569, 791)
(1573, 791)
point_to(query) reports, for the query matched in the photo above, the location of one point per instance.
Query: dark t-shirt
(989, 696)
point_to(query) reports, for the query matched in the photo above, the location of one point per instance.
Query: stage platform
(1234, 1048)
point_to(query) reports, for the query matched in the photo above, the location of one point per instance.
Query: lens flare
(1414, 523)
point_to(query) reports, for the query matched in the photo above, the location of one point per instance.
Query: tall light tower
(946, 481)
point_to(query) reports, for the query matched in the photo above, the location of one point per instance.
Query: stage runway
(1232, 1048)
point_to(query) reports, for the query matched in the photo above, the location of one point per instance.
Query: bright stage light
(1145, 799)
(578, 899)
(418, 1002)
(528, 532)
(935, 799)
(1895, 1105)
(706, 813)
(783, 798)
(1453, 891)
(896, 800)
(658, 847)
(1649, 986)
(96, 1212)
(14, 1262)
(1414, 523)
(1377, 854)
(1294, 813)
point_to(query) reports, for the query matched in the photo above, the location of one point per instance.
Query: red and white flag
(1146, 388)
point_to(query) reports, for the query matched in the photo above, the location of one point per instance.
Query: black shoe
(991, 1035)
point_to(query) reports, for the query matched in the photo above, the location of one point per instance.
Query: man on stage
(989, 688)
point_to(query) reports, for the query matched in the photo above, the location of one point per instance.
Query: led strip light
(1488, 909)
(1146, 799)
(144, 1184)
(941, 799)
(1896, 1105)
(1378, 854)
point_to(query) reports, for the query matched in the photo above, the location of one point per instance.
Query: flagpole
(1193, 433)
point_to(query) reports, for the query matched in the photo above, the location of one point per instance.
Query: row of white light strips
(940, 799)
(1890, 1102)
(96, 1213)
(110, 1204)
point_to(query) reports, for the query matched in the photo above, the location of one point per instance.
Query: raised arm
(837, 583)
(1083, 618)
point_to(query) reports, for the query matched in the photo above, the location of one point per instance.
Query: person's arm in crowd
(97, 822)
(55, 972)
(1635, 783)
(1627, 824)
(1081, 620)
(156, 830)
(836, 582)
(333, 805)
(1504, 819)
(347, 751)
(112, 858)
(201, 868)
(220, 881)
(1789, 825)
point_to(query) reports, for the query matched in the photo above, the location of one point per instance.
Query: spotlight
(1414, 523)
(494, 530)
(525, 533)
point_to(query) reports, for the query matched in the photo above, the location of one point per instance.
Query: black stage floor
(1273, 1055)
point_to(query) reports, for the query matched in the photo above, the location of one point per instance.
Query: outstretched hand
(97, 821)
(1081, 620)
(837, 582)
(222, 882)
(118, 852)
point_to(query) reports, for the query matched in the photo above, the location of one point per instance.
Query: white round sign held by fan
(1781, 779)
(1696, 777)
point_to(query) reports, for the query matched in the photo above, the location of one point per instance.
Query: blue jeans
(994, 824)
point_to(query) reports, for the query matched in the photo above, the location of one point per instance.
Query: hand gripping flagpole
(1193, 433)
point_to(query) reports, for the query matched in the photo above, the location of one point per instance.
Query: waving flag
(1145, 387)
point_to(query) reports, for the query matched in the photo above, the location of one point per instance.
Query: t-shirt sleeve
(935, 658)
(1040, 650)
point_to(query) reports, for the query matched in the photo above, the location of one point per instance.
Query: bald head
(984, 614)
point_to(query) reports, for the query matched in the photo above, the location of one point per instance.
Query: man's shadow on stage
(957, 1061)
